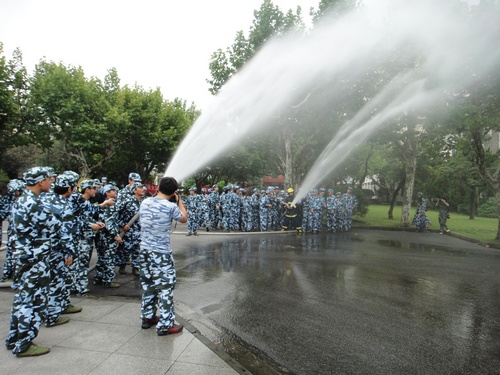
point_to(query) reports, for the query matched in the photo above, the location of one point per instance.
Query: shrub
(488, 208)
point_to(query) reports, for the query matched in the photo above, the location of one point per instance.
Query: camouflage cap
(87, 184)
(52, 173)
(104, 179)
(16, 185)
(34, 175)
(136, 185)
(97, 181)
(75, 175)
(65, 181)
(135, 176)
(109, 187)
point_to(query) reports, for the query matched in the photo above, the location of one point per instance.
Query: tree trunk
(393, 200)
(473, 201)
(497, 196)
(289, 178)
(410, 168)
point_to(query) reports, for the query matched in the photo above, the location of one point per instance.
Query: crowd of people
(53, 228)
(55, 221)
(240, 209)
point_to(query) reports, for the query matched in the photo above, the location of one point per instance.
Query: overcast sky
(154, 43)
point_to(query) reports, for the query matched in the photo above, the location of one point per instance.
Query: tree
(17, 126)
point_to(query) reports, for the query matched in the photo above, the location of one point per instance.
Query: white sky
(154, 43)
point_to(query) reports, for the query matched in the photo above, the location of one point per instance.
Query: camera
(174, 198)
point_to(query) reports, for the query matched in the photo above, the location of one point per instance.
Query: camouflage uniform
(421, 220)
(330, 211)
(5, 209)
(63, 247)
(34, 225)
(255, 206)
(157, 266)
(305, 212)
(315, 209)
(338, 212)
(214, 207)
(127, 208)
(106, 244)
(86, 216)
(194, 213)
(349, 203)
(264, 214)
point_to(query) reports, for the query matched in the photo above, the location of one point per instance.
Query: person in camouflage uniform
(330, 211)
(15, 189)
(87, 228)
(349, 203)
(306, 203)
(421, 220)
(107, 241)
(315, 209)
(34, 225)
(255, 206)
(193, 209)
(62, 253)
(214, 207)
(264, 208)
(127, 209)
(157, 266)
(444, 214)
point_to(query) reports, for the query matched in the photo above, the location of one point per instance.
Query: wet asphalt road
(363, 302)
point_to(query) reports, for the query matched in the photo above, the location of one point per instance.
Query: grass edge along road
(481, 229)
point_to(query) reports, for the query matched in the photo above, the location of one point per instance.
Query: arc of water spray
(285, 70)
(359, 129)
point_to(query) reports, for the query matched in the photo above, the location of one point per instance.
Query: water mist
(285, 71)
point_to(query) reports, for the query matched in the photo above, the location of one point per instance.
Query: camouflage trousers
(29, 304)
(330, 220)
(79, 270)
(265, 221)
(193, 221)
(129, 249)
(214, 217)
(314, 221)
(59, 288)
(9, 264)
(158, 282)
(106, 252)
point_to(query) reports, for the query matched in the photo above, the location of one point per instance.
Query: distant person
(292, 220)
(349, 203)
(157, 269)
(421, 220)
(444, 214)
(15, 189)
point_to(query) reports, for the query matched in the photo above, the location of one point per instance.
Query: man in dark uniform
(292, 212)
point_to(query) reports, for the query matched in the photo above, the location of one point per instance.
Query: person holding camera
(157, 269)
(444, 214)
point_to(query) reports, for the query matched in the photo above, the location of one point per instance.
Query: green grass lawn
(481, 229)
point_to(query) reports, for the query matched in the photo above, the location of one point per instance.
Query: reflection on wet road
(365, 302)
